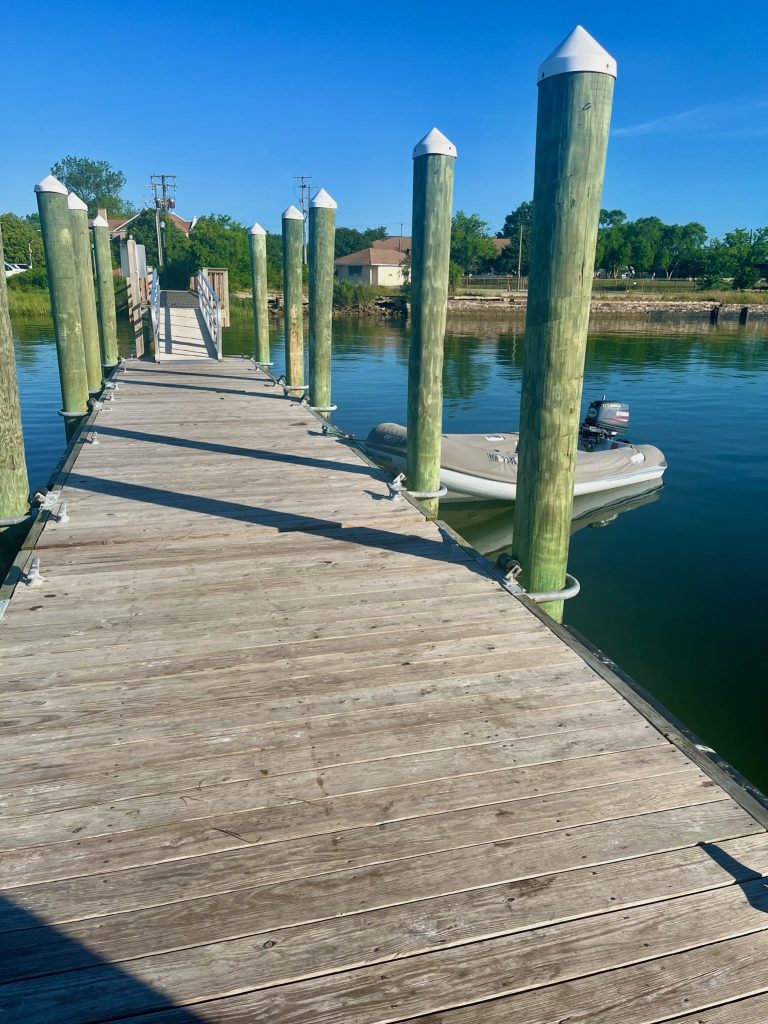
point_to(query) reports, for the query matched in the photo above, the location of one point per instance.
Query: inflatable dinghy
(485, 465)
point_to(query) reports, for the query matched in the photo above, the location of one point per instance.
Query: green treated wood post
(257, 243)
(81, 243)
(14, 485)
(65, 300)
(322, 239)
(433, 166)
(102, 253)
(293, 298)
(575, 96)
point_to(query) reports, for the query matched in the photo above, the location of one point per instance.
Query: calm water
(674, 587)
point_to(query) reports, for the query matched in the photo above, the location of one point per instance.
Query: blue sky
(236, 98)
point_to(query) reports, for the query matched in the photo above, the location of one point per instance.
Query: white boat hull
(492, 473)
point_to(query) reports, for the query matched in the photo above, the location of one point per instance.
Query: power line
(163, 188)
(305, 198)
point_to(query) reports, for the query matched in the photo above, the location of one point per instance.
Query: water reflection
(488, 526)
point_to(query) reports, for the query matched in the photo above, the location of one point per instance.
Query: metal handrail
(154, 307)
(211, 310)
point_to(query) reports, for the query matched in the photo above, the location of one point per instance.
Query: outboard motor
(604, 421)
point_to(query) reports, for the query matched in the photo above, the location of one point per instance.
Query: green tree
(523, 214)
(351, 240)
(471, 247)
(96, 182)
(679, 244)
(274, 260)
(613, 241)
(745, 249)
(219, 241)
(716, 264)
(506, 262)
(180, 260)
(644, 236)
(19, 235)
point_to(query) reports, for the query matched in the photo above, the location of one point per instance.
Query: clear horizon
(266, 96)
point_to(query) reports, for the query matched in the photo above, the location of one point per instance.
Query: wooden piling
(14, 485)
(81, 245)
(322, 237)
(106, 292)
(257, 242)
(575, 95)
(433, 167)
(293, 298)
(65, 300)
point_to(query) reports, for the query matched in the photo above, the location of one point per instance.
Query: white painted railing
(154, 309)
(210, 307)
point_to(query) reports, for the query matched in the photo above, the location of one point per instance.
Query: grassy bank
(36, 301)
(604, 290)
(726, 296)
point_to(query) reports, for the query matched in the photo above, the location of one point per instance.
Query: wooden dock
(183, 333)
(278, 750)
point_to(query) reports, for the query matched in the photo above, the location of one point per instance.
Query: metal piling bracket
(32, 577)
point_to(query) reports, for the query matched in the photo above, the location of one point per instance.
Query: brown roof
(403, 243)
(116, 223)
(501, 243)
(372, 258)
(181, 224)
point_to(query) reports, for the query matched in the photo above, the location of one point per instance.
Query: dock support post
(293, 299)
(65, 300)
(433, 167)
(81, 244)
(257, 243)
(575, 96)
(106, 292)
(14, 485)
(322, 238)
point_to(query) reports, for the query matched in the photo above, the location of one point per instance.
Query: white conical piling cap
(434, 142)
(75, 202)
(51, 184)
(99, 222)
(256, 229)
(292, 214)
(323, 200)
(578, 52)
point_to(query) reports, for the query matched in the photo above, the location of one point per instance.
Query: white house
(378, 265)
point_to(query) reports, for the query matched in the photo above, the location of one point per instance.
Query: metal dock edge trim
(41, 515)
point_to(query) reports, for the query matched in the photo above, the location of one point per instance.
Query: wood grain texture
(571, 143)
(14, 484)
(105, 291)
(277, 749)
(432, 198)
(65, 301)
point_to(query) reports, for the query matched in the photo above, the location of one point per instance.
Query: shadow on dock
(228, 449)
(279, 521)
(751, 882)
(42, 964)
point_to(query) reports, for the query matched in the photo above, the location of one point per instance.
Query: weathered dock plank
(277, 749)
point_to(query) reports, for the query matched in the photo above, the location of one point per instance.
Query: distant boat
(484, 466)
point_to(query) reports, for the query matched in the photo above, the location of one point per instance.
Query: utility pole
(519, 257)
(163, 188)
(305, 197)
